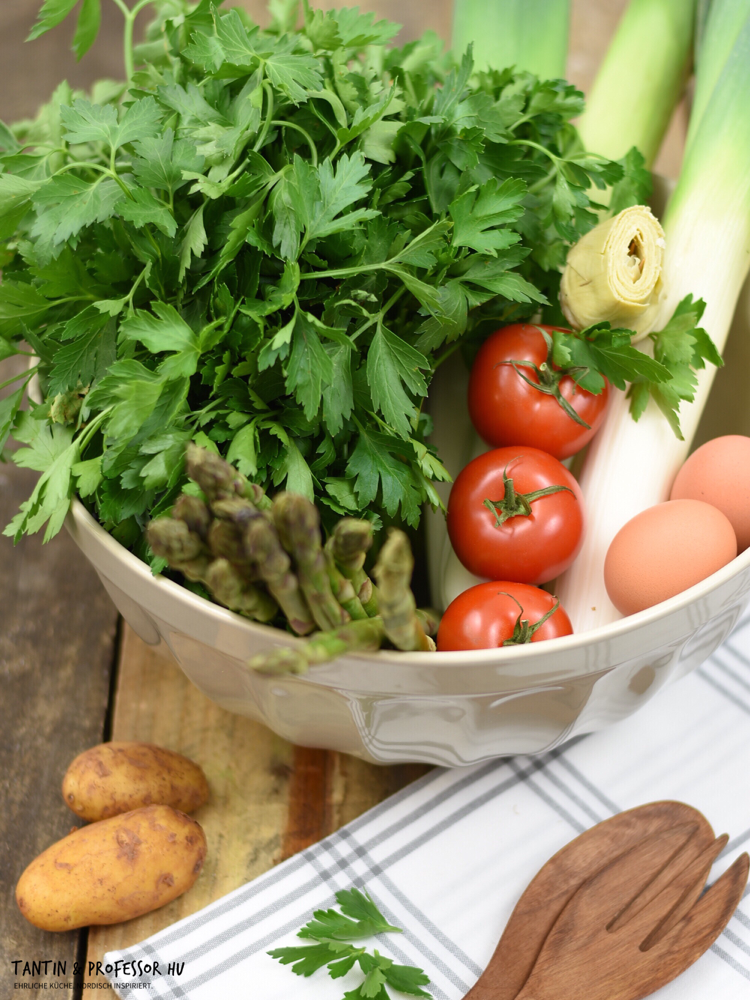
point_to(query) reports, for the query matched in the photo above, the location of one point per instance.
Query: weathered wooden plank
(57, 632)
(57, 625)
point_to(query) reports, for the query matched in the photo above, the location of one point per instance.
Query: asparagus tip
(282, 660)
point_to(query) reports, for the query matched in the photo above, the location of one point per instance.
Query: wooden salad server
(638, 923)
(554, 885)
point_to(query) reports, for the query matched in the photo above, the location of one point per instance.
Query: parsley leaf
(161, 161)
(165, 332)
(478, 214)
(77, 362)
(392, 365)
(67, 205)
(86, 122)
(375, 467)
(599, 352)
(683, 348)
(51, 14)
(52, 452)
(407, 979)
(635, 186)
(358, 917)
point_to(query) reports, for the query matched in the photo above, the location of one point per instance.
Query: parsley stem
(584, 155)
(344, 272)
(298, 128)
(26, 373)
(347, 272)
(206, 409)
(88, 432)
(535, 145)
(84, 163)
(446, 354)
(268, 89)
(543, 181)
(104, 172)
(134, 289)
(130, 16)
(378, 317)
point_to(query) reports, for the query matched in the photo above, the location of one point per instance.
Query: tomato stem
(515, 504)
(548, 383)
(523, 630)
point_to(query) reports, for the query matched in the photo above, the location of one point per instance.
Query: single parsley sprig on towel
(332, 930)
(267, 241)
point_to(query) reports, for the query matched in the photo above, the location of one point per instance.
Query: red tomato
(507, 410)
(487, 616)
(528, 548)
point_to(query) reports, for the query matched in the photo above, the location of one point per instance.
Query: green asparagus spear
(182, 548)
(194, 513)
(230, 589)
(263, 547)
(218, 479)
(357, 636)
(343, 589)
(227, 541)
(237, 510)
(348, 545)
(226, 536)
(368, 596)
(393, 572)
(298, 524)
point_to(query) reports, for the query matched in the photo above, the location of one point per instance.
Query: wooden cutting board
(268, 798)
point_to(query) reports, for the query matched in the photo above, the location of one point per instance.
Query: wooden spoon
(636, 925)
(554, 885)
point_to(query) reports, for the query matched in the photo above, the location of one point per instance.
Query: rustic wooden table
(71, 676)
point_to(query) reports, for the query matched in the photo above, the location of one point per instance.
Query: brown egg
(664, 550)
(719, 473)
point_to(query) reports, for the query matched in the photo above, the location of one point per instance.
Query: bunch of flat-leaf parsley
(267, 241)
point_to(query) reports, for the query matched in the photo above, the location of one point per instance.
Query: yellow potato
(113, 871)
(113, 778)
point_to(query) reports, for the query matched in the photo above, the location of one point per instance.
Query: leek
(630, 466)
(640, 79)
(717, 38)
(531, 35)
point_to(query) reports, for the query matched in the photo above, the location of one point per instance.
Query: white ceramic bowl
(446, 708)
(440, 708)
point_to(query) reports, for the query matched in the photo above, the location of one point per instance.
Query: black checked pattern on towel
(342, 860)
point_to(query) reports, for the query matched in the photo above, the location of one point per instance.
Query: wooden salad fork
(556, 882)
(638, 923)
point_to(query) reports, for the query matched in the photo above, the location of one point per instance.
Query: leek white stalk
(630, 466)
(531, 35)
(640, 79)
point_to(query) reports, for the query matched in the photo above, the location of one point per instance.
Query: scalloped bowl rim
(468, 658)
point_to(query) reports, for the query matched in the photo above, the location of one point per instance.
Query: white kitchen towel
(447, 857)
